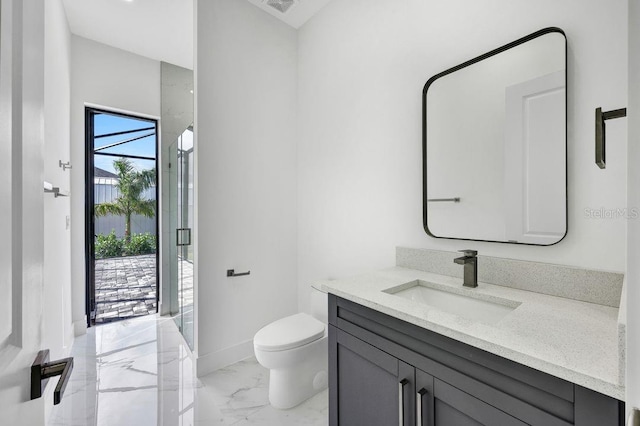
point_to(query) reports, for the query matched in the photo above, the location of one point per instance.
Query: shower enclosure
(181, 219)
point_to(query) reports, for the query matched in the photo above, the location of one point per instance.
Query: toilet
(294, 349)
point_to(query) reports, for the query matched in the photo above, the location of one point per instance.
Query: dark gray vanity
(384, 371)
(532, 344)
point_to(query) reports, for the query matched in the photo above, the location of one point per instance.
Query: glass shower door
(182, 247)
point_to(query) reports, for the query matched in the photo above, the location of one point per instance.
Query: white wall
(633, 234)
(246, 176)
(58, 327)
(362, 66)
(112, 78)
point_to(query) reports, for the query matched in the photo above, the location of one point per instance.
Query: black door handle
(42, 370)
(179, 241)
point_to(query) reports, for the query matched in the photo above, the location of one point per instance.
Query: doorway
(121, 216)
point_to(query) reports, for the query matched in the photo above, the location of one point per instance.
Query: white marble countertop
(573, 340)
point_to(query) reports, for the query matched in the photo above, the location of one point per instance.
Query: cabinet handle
(421, 393)
(401, 385)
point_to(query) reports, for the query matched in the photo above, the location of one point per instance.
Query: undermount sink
(460, 302)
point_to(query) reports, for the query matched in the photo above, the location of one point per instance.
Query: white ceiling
(158, 29)
(298, 14)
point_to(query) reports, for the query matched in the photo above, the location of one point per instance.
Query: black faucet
(470, 262)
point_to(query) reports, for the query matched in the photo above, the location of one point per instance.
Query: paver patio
(125, 287)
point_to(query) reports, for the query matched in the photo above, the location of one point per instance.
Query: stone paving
(125, 287)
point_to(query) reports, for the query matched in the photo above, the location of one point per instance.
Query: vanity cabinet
(384, 371)
(372, 384)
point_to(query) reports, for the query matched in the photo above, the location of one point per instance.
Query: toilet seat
(288, 333)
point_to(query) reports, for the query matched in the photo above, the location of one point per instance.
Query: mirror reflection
(495, 145)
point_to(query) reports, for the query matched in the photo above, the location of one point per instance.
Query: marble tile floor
(140, 372)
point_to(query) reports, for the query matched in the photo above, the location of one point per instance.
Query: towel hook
(64, 166)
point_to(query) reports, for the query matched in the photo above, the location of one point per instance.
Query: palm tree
(131, 184)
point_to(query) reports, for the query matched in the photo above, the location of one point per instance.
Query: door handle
(421, 393)
(634, 417)
(42, 370)
(179, 241)
(401, 386)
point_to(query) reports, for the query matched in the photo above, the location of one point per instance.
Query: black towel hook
(601, 143)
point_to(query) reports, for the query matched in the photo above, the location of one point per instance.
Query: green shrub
(112, 246)
(108, 245)
(141, 244)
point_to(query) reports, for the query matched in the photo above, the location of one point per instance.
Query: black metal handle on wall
(232, 273)
(42, 370)
(601, 142)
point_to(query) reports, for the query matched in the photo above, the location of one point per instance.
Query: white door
(535, 159)
(21, 207)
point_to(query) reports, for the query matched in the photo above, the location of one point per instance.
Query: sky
(146, 147)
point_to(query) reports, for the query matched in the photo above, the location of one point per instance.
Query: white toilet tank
(319, 304)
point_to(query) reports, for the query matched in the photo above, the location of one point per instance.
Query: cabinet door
(453, 407)
(368, 386)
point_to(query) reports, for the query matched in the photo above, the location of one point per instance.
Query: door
(368, 386)
(121, 216)
(453, 407)
(22, 207)
(181, 201)
(535, 157)
(440, 404)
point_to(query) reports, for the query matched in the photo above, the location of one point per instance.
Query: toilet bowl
(295, 350)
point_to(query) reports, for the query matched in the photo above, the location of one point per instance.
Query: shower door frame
(181, 204)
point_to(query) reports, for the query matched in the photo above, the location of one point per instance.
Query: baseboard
(207, 364)
(68, 342)
(164, 309)
(79, 328)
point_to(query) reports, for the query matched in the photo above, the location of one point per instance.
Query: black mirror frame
(487, 55)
